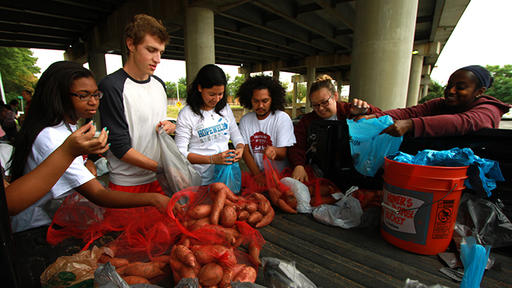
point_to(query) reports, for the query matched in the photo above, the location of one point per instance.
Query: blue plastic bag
(368, 147)
(483, 172)
(474, 258)
(229, 175)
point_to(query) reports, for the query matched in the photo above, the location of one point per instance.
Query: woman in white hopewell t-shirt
(205, 126)
(65, 93)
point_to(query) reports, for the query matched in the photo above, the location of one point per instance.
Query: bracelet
(211, 159)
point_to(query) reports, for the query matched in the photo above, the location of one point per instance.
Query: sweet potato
(243, 215)
(119, 262)
(200, 211)
(180, 270)
(267, 219)
(104, 258)
(254, 254)
(274, 195)
(285, 207)
(229, 203)
(237, 268)
(291, 201)
(218, 202)
(161, 258)
(228, 216)
(229, 234)
(185, 241)
(203, 253)
(251, 207)
(264, 206)
(135, 280)
(210, 253)
(254, 218)
(226, 278)
(121, 269)
(210, 274)
(231, 196)
(247, 274)
(184, 255)
(199, 223)
(147, 270)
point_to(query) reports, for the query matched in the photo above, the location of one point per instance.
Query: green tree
(302, 91)
(170, 88)
(234, 85)
(17, 66)
(435, 90)
(502, 86)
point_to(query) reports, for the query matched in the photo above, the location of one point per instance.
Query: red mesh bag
(206, 217)
(146, 232)
(280, 195)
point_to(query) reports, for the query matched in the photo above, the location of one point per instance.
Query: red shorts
(153, 187)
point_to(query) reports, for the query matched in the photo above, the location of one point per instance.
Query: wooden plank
(316, 273)
(335, 262)
(367, 248)
(353, 252)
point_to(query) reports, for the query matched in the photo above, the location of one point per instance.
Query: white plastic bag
(174, 171)
(301, 192)
(278, 273)
(346, 213)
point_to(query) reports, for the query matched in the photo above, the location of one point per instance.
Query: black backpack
(329, 155)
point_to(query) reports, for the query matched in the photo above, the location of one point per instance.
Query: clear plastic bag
(231, 175)
(485, 220)
(346, 213)
(174, 172)
(278, 273)
(301, 192)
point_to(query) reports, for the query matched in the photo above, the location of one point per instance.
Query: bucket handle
(397, 211)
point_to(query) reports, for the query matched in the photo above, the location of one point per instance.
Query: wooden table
(335, 257)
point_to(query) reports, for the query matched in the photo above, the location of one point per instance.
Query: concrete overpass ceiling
(259, 34)
(53, 24)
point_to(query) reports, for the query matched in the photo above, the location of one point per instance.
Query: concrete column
(97, 64)
(199, 40)
(294, 100)
(310, 78)
(425, 91)
(414, 80)
(275, 74)
(381, 57)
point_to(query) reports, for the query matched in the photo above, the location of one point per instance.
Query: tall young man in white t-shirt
(267, 130)
(134, 106)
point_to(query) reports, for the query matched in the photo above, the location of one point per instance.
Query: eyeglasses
(87, 96)
(324, 103)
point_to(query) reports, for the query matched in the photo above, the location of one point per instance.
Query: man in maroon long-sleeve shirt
(323, 98)
(462, 110)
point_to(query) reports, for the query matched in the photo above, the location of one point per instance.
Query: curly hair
(208, 76)
(142, 24)
(275, 90)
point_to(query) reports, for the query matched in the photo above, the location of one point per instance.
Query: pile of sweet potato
(225, 208)
(214, 265)
(217, 224)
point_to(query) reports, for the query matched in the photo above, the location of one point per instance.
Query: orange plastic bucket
(420, 205)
